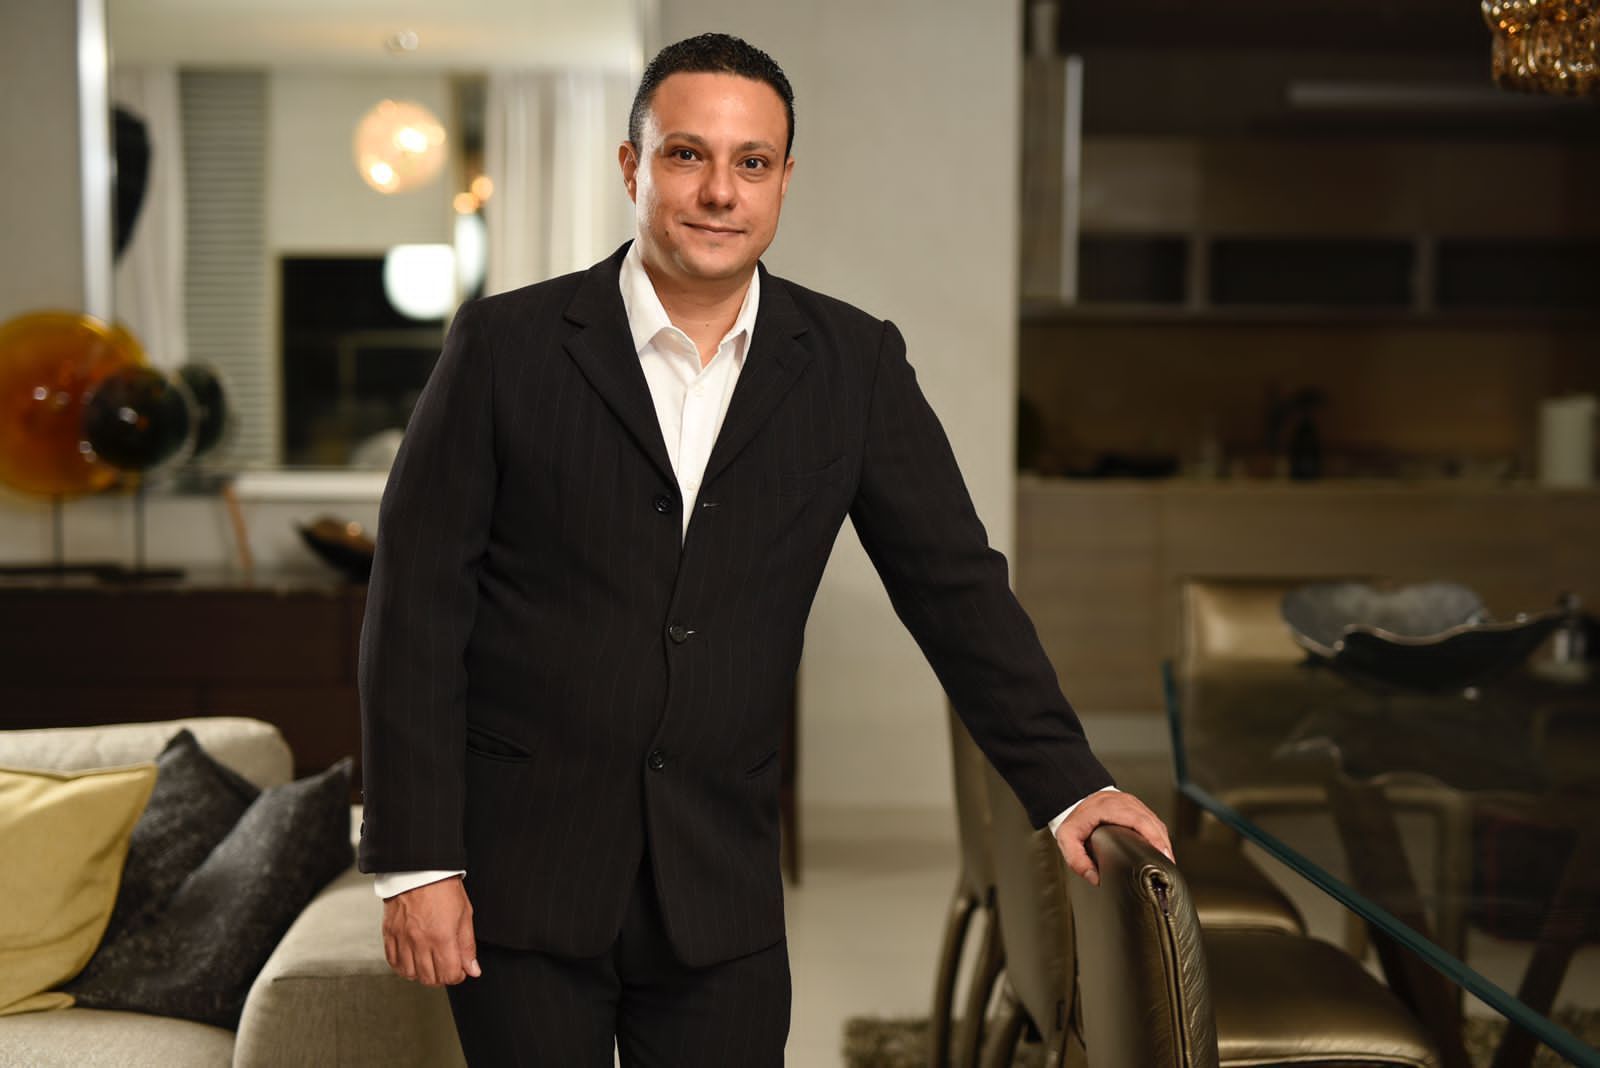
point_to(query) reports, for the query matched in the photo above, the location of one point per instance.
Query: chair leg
(986, 972)
(1009, 1024)
(958, 918)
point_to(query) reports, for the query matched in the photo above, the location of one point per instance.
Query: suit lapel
(772, 365)
(603, 350)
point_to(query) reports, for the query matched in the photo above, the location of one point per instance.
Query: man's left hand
(1110, 806)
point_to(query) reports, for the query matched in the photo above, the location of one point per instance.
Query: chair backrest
(1235, 619)
(1034, 915)
(1146, 998)
(972, 808)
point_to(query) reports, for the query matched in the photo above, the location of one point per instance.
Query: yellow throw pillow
(63, 839)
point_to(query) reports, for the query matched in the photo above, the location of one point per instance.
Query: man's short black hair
(710, 53)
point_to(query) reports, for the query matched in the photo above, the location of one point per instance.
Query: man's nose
(718, 190)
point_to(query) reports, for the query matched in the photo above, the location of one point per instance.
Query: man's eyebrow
(681, 135)
(700, 142)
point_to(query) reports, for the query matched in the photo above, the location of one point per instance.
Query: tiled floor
(864, 925)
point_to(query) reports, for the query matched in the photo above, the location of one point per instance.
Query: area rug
(902, 1042)
(879, 1042)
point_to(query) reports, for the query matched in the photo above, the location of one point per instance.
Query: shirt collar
(646, 316)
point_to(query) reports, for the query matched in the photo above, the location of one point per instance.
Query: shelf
(1246, 280)
(1041, 312)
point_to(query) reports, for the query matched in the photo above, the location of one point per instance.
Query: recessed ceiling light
(402, 41)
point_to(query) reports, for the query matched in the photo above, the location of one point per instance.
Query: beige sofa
(324, 998)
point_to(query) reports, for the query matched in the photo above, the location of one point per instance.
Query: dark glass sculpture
(210, 403)
(137, 418)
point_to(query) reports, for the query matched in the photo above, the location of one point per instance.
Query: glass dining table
(1463, 828)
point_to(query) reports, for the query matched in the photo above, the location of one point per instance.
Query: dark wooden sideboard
(279, 648)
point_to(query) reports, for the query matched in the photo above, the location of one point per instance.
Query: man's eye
(754, 163)
(684, 154)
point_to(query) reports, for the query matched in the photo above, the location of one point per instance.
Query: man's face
(709, 176)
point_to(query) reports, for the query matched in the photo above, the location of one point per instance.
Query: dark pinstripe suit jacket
(549, 677)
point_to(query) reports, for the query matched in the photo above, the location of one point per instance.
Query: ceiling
(453, 34)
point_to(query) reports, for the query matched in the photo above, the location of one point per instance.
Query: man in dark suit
(596, 555)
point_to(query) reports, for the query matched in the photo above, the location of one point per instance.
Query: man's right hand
(427, 934)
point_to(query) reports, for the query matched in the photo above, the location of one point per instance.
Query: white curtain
(148, 281)
(550, 147)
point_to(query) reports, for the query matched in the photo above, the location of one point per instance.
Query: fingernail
(473, 969)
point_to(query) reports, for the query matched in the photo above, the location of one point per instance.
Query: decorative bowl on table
(341, 544)
(1434, 637)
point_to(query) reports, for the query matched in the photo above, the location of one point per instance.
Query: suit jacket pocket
(800, 483)
(493, 746)
(761, 765)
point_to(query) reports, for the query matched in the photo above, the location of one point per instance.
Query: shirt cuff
(389, 883)
(1059, 820)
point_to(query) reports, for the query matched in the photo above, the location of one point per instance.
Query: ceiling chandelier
(399, 145)
(1546, 46)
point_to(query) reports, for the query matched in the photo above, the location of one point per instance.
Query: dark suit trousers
(536, 1010)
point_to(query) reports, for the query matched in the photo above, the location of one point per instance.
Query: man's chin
(715, 268)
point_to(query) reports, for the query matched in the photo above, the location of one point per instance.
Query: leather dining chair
(1233, 894)
(973, 900)
(1161, 990)
(1039, 983)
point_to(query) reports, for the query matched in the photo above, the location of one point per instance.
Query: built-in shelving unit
(1240, 279)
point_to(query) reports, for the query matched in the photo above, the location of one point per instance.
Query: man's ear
(788, 172)
(628, 159)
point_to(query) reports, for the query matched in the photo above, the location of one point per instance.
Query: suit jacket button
(657, 760)
(663, 504)
(678, 633)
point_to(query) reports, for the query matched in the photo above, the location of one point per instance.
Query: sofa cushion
(197, 958)
(63, 837)
(195, 804)
(253, 748)
(91, 1038)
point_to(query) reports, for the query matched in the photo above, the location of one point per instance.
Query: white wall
(40, 210)
(904, 202)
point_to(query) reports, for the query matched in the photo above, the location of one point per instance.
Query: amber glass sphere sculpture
(50, 362)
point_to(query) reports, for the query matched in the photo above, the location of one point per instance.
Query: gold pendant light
(1546, 46)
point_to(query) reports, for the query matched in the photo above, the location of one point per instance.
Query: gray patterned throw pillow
(198, 956)
(196, 802)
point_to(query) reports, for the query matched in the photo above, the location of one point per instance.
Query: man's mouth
(712, 228)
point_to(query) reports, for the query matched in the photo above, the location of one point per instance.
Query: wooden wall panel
(1084, 573)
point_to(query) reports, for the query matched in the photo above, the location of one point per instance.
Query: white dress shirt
(691, 400)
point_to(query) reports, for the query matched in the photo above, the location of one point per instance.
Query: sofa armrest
(327, 996)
